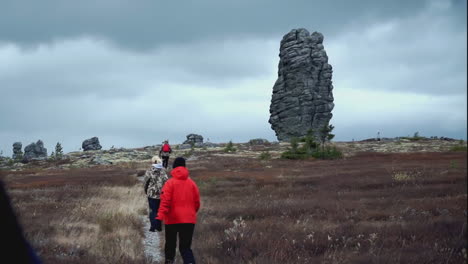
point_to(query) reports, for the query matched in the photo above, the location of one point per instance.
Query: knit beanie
(178, 162)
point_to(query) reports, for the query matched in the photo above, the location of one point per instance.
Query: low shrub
(453, 164)
(311, 149)
(459, 148)
(265, 155)
(415, 137)
(328, 152)
(10, 162)
(189, 153)
(402, 176)
(230, 147)
(293, 155)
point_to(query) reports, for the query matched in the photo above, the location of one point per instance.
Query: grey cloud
(135, 82)
(422, 53)
(149, 23)
(93, 67)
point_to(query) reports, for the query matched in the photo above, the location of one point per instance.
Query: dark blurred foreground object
(13, 246)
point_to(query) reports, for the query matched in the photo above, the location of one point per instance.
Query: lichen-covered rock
(194, 139)
(210, 145)
(17, 152)
(35, 151)
(98, 160)
(185, 146)
(302, 95)
(91, 144)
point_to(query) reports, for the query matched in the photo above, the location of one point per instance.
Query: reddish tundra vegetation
(366, 208)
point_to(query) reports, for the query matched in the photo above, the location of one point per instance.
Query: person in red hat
(180, 202)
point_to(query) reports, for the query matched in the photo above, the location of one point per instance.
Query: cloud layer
(397, 70)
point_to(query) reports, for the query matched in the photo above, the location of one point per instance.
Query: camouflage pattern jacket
(154, 181)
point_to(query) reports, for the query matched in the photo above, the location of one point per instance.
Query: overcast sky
(136, 72)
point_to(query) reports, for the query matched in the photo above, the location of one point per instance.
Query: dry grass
(84, 223)
(369, 208)
(382, 209)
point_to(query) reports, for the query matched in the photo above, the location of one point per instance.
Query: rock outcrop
(194, 139)
(302, 95)
(98, 160)
(91, 144)
(35, 151)
(185, 146)
(259, 141)
(17, 151)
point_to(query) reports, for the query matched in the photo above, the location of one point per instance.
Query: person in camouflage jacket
(154, 180)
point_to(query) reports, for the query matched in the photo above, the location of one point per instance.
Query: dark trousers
(185, 232)
(153, 210)
(165, 161)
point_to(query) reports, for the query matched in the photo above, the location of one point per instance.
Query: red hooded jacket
(180, 199)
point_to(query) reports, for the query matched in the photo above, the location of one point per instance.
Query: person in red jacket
(180, 202)
(165, 152)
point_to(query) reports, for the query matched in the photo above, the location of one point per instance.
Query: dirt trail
(151, 242)
(152, 239)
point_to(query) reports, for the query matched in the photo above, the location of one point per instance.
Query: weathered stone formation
(91, 144)
(194, 139)
(302, 95)
(259, 141)
(17, 151)
(35, 151)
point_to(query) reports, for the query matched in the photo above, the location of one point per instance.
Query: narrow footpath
(151, 240)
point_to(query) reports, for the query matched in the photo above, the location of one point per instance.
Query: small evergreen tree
(310, 146)
(295, 152)
(325, 135)
(58, 151)
(265, 155)
(294, 144)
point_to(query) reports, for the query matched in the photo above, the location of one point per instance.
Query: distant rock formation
(259, 141)
(35, 151)
(17, 151)
(194, 139)
(91, 144)
(302, 95)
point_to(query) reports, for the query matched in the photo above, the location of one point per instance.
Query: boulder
(35, 151)
(259, 141)
(447, 139)
(302, 96)
(193, 139)
(91, 144)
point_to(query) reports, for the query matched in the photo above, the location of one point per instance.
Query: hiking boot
(152, 229)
